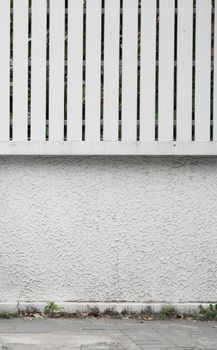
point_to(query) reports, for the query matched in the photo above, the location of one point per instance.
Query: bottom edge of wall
(102, 307)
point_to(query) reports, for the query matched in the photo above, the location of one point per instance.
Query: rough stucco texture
(108, 229)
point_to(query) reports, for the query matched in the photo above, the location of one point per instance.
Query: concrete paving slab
(106, 334)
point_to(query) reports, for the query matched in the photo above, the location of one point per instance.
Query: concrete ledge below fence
(76, 307)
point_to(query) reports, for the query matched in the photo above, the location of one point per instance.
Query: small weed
(125, 312)
(93, 312)
(167, 311)
(208, 313)
(147, 311)
(111, 312)
(51, 309)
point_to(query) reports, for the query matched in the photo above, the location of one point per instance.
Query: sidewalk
(104, 334)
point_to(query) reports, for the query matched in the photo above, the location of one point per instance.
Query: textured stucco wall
(107, 229)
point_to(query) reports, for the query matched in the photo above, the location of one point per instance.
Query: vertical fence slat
(166, 70)
(4, 69)
(20, 70)
(184, 70)
(93, 70)
(38, 73)
(129, 70)
(75, 68)
(111, 69)
(215, 80)
(56, 70)
(202, 73)
(148, 70)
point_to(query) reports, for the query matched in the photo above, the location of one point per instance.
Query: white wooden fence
(108, 77)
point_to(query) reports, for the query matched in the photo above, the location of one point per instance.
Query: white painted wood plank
(4, 69)
(111, 69)
(56, 71)
(20, 70)
(215, 81)
(93, 70)
(129, 70)
(202, 75)
(148, 70)
(184, 70)
(75, 68)
(166, 70)
(38, 73)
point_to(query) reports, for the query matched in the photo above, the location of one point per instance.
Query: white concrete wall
(108, 229)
